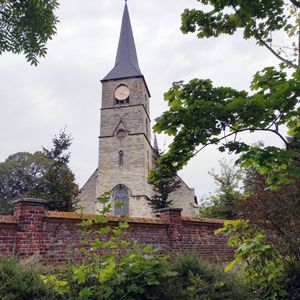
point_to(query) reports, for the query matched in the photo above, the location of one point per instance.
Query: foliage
(260, 262)
(26, 26)
(20, 281)
(162, 190)
(276, 212)
(59, 180)
(200, 280)
(222, 205)
(114, 269)
(5, 207)
(257, 19)
(42, 175)
(21, 174)
(200, 114)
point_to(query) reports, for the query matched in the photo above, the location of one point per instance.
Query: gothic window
(121, 158)
(121, 200)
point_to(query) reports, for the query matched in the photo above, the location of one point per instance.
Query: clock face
(122, 92)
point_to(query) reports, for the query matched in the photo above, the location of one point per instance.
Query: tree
(228, 194)
(43, 174)
(162, 190)
(26, 26)
(21, 174)
(257, 19)
(59, 179)
(201, 114)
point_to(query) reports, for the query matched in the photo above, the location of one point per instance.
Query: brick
(55, 236)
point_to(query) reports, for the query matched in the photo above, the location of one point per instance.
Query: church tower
(125, 151)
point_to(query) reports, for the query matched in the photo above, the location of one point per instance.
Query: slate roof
(126, 64)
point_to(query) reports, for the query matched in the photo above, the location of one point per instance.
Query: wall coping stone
(169, 209)
(203, 220)
(30, 200)
(8, 220)
(79, 216)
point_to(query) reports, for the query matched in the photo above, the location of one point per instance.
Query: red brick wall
(55, 236)
(7, 238)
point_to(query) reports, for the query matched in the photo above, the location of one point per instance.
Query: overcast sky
(65, 90)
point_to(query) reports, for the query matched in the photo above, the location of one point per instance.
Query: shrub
(261, 264)
(199, 280)
(114, 269)
(19, 281)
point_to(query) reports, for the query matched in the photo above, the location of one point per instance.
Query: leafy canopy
(222, 204)
(43, 174)
(201, 114)
(257, 19)
(26, 26)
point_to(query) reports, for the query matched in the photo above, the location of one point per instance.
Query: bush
(137, 276)
(199, 280)
(113, 268)
(260, 263)
(19, 281)
(116, 269)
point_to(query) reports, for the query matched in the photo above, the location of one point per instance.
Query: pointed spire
(126, 64)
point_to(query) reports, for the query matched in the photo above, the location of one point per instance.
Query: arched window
(121, 158)
(121, 200)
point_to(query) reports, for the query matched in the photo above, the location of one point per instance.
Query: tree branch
(287, 62)
(295, 2)
(5, 15)
(244, 130)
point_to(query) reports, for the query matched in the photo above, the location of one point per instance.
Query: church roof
(126, 64)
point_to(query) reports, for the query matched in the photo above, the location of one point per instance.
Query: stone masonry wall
(88, 195)
(55, 237)
(184, 197)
